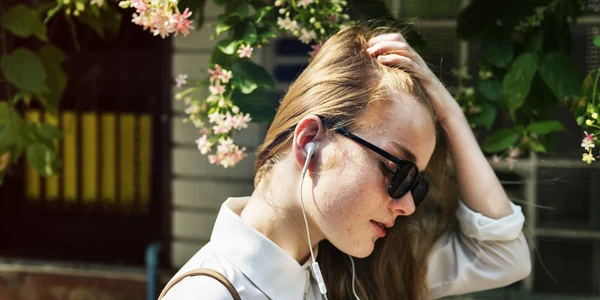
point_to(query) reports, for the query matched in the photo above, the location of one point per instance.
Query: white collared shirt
(484, 254)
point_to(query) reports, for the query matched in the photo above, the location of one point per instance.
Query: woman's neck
(275, 211)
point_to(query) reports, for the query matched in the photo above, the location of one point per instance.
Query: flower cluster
(215, 117)
(590, 139)
(159, 17)
(311, 20)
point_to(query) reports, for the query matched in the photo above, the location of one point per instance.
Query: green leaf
(561, 74)
(51, 54)
(500, 140)
(486, 117)
(265, 33)
(56, 81)
(220, 58)
(242, 10)
(52, 12)
(42, 158)
(227, 46)
(258, 4)
(260, 14)
(258, 104)
(491, 89)
(15, 134)
(497, 47)
(545, 127)
(538, 146)
(49, 132)
(24, 69)
(517, 82)
(536, 42)
(226, 23)
(250, 76)
(245, 31)
(24, 22)
(597, 41)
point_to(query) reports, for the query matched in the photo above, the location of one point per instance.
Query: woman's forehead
(404, 128)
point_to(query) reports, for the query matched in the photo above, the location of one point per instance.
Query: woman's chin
(361, 251)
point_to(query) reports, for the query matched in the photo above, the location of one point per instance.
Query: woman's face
(352, 196)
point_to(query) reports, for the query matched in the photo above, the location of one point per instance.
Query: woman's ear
(309, 130)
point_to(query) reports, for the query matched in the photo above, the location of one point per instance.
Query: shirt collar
(270, 268)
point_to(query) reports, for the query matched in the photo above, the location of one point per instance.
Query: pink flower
(333, 18)
(240, 121)
(216, 89)
(496, 159)
(245, 51)
(511, 162)
(181, 79)
(162, 25)
(141, 6)
(307, 36)
(474, 110)
(192, 109)
(203, 144)
(225, 145)
(216, 73)
(228, 122)
(219, 128)
(226, 75)
(588, 141)
(239, 154)
(315, 49)
(187, 100)
(182, 24)
(287, 24)
(216, 118)
(213, 159)
(513, 152)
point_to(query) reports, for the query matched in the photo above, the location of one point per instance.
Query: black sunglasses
(406, 177)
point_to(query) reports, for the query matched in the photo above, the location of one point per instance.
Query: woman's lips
(379, 228)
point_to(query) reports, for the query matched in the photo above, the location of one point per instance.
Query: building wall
(200, 188)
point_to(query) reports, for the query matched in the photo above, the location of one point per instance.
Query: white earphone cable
(315, 264)
(353, 278)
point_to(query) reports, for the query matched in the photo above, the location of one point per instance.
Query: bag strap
(203, 272)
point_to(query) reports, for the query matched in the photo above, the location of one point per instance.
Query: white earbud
(310, 151)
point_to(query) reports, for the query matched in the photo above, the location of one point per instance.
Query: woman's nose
(404, 206)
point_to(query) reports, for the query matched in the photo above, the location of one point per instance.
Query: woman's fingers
(408, 63)
(397, 37)
(388, 46)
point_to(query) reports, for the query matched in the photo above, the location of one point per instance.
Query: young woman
(356, 164)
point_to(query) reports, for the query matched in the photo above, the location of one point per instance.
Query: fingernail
(382, 58)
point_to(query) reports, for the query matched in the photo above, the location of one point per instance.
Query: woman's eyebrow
(409, 155)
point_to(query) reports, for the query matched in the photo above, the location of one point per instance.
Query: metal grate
(108, 202)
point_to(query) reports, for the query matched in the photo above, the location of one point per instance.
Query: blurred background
(134, 199)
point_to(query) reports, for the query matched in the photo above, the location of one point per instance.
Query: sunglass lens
(402, 181)
(419, 191)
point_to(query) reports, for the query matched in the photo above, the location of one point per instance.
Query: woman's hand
(392, 49)
(479, 187)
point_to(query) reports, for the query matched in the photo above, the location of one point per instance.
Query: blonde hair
(342, 83)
